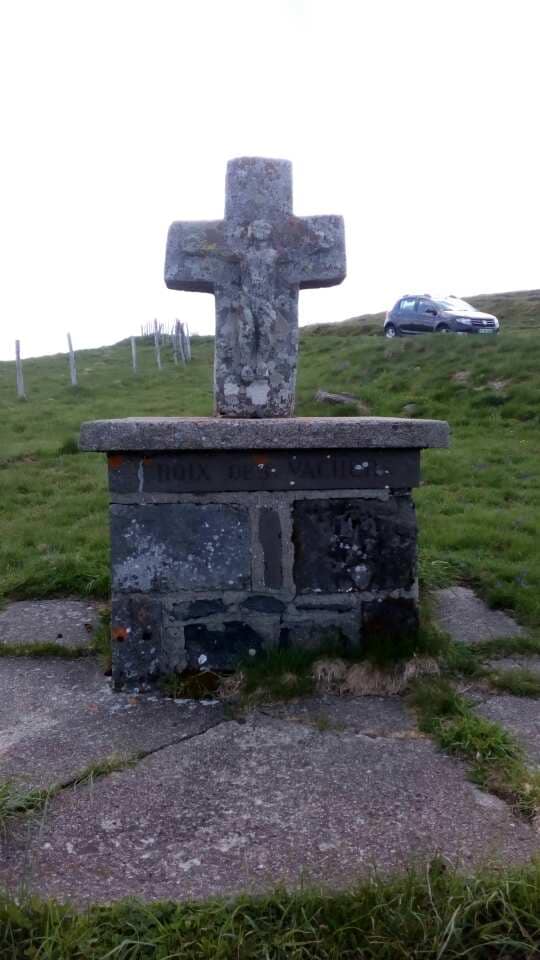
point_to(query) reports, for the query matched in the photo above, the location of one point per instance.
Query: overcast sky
(418, 121)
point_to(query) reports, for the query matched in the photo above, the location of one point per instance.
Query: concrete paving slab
(70, 623)
(58, 716)
(467, 619)
(244, 807)
(520, 716)
(371, 716)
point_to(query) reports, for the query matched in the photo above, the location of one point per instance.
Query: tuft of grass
(507, 647)
(497, 761)
(100, 768)
(101, 641)
(436, 913)
(49, 649)
(281, 674)
(461, 659)
(15, 800)
(518, 682)
(192, 685)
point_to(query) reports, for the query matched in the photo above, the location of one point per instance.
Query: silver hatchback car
(424, 314)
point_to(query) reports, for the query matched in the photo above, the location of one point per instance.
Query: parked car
(424, 314)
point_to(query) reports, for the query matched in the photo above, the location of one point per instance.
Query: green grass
(518, 682)
(436, 914)
(479, 505)
(49, 649)
(15, 800)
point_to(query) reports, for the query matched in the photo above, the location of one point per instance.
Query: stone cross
(254, 262)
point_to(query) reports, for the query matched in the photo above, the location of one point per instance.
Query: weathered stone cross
(254, 262)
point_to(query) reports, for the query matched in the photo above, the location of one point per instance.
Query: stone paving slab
(244, 807)
(58, 716)
(69, 623)
(467, 619)
(520, 715)
(370, 716)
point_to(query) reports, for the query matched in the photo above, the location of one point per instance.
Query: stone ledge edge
(212, 433)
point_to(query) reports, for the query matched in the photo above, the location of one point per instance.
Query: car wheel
(442, 328)
(390, 331)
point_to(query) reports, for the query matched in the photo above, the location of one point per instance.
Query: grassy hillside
(479, 506)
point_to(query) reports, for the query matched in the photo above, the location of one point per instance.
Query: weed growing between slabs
(467, 660)
(288, 673)
(497, 762)
(432, 914)
(518, 682)
(15, 801)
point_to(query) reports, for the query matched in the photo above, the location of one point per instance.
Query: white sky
(418, 121)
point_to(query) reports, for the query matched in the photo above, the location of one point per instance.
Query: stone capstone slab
(247, 807)
(57, 717)
(69, 623)
(212, 433)
(467, 619)
(180, 546)
(368, 546)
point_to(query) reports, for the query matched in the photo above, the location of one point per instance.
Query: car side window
(427, 306)
(407, 305)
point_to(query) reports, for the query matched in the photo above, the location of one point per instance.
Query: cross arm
(318, 254)
(197, 257)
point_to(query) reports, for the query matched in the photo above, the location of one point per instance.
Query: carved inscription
(237, 470)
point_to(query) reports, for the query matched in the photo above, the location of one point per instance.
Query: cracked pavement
(321, 791)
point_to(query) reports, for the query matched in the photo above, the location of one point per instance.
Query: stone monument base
(231, 537)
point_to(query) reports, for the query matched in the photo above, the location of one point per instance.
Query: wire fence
(173, 335)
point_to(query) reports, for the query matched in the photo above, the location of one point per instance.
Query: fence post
(134, 355)
(18, 362)
(188, 342)
(72, 364)
(174, 344)
(156, 344)
(178, 341)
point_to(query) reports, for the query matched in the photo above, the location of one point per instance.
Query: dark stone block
(328, 607)
(179, 546)
(137, 635)
(270, 538)
(392, 618)
(220, 648)
(354, 545)
(204, 608)
(264, 604)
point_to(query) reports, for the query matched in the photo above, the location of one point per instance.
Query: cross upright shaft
(255, 261)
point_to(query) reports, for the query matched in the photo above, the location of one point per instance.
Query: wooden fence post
(188, 342)
(134, 354)
(72, 364)
(18, 362)
(156, 344)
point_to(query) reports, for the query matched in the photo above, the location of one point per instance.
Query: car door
(407, 315)
(426, 316)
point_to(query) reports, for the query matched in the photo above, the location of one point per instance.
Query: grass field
(479, 505)
(430, 916)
